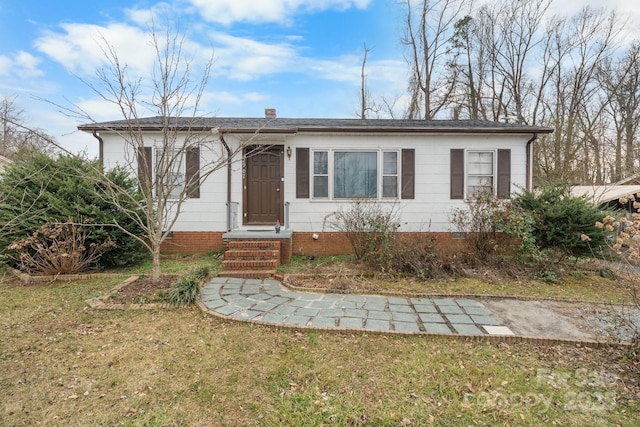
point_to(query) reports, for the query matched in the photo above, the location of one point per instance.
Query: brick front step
(251, 258)
(261, 264)
(233, 254)
(254, 244)
(248, 274)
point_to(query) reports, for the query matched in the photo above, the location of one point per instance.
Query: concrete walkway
(269, 302)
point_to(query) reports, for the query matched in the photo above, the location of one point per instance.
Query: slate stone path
(269, 302)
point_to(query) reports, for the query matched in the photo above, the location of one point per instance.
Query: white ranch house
(305, 169)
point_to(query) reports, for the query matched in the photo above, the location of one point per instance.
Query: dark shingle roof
(288, 125)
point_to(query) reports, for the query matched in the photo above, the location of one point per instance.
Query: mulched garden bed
(142, 291)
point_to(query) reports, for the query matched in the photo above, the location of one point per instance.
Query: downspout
(100, 147)
(529, 183)
(226, 147)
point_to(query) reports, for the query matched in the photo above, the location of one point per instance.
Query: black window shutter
(408, 174)
(145, 168)
(193, 172)
(504, 173)
(457, 173)
(302, 173)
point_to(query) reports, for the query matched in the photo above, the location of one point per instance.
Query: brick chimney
(270, 113)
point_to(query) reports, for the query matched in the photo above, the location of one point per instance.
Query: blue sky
(302, 57)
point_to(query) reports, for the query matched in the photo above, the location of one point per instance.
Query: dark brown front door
(263, 185)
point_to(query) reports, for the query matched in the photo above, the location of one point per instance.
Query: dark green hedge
(37, 189)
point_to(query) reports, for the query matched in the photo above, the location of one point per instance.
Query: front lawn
(65, 364)
(585, 280)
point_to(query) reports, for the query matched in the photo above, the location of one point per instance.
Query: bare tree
(468, 63)
(381, 107)
(157, 158)
(366, 102)
(620, 82)
(510, 39)
(13, 136)
(513, 61)
(429, 28)
(579, 45)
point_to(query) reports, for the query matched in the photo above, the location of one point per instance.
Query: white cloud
(626, 10)
(225, 97)
(5, 65)
(21, 64)
(79, 48)
(245, 59)
(255, 96)
(229, 11)
(99, 110)
(144, 17)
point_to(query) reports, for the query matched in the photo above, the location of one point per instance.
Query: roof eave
(371, 129)
(374, 129)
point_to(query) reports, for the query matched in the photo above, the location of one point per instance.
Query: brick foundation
(303, 243)
(338, 243)
(193, 242)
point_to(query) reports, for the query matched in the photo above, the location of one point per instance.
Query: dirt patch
(143, 290)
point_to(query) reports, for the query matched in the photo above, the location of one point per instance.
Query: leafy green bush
(185, 290)
(562, 221)
(199, 272)
(37, 189)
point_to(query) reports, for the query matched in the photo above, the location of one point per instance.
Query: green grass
(173, 264)
(64, 364)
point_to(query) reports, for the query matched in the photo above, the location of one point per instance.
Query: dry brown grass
(65, 364)
(580, 282)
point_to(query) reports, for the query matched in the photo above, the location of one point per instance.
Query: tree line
(516, 61)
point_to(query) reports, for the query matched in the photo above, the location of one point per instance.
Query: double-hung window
(321, 174)
(172, 168)
(341, 174)
(474, 172)
(390, 174)
(480, 173)
(170, 171)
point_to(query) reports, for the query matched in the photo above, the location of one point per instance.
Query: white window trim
(494, 173)
(379, 178)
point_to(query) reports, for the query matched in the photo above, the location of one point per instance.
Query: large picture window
(355, 174)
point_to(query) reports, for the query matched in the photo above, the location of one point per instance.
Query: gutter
(100, 146)
(293, 128)
(528, 162)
